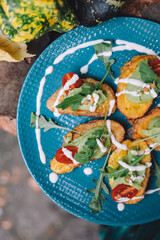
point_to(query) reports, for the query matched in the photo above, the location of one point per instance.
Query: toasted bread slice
(100, 110)
(143, 123)
(119, 154)
(116, 129)
(130, 109)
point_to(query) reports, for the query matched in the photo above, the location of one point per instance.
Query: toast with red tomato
(129, 187)
(89, 105)
(63, 164)
(134, 100)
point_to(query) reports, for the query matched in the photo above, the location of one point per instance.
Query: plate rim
(18, 135)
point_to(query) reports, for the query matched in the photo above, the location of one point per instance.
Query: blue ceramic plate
(69, 191)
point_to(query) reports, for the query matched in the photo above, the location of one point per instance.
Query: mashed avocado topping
(89, 101)
(148, 91)
(88, 147)
(153, 130)
(130, 177)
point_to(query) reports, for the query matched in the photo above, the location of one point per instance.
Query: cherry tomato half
(67, 77)
(155, 65)
(122, 190)
(61, 157)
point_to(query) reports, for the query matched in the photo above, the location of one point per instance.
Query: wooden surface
(12, 75)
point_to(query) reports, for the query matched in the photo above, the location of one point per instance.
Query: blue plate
(69, 191)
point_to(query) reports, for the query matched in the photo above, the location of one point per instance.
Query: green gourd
(25, 20)
(92, 12)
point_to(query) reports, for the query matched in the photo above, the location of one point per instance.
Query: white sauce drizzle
(100, 145)
(111, 103)
(120, 206)
(96, 97)
(74, 49)
(88, 171)
(68, 154)
(53, 177)
(89, 97)
(138, 153)
(133, 93)
(73, 80)
(133, 178)
(153, 93)
(48, 71)
(154, 145)
(114, 141)
(132, 81)
(132, 168)
(148, 150)
(125, 45)
(152, 191)
(125, 199)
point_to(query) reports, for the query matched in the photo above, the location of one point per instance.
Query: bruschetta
(83, 136)
(136, 90)
(130, 172)
(80, 97)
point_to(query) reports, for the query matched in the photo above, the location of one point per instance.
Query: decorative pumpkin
(92, 12)
(25, 20)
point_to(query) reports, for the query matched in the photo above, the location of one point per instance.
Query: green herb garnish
(100, 49)
(44, 123)
(95, 203)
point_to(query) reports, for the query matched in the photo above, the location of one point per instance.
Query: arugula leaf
(147, 74)
(73, 101)
(44, 123)
(95, 203)
(157, 173)
(88, 149)
(104, 52)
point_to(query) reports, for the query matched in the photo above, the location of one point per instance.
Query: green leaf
(70, 101)
(91, 190)
(95, 203)
(105, 188)
(157, 173)
(147, 74)
(44, 123)
(100, 50)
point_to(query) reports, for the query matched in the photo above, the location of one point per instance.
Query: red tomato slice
(61, 157)
(122, 190)
(155, 65)
(67, 77)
